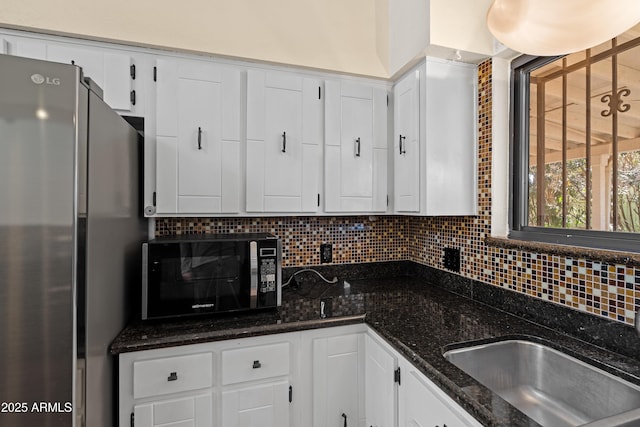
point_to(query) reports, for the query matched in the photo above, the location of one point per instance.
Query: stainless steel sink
(549, 386)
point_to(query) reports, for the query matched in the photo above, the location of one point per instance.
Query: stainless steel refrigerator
(70, 236)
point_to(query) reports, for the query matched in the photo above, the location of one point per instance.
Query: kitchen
(371, 237)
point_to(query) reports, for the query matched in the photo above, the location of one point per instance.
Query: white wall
(378, 38)
(501, 69)
(408, 32)
(437, 28)
(335, 35)
(460, 25)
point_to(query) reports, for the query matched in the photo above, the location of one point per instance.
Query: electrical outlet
(326, 253)
(451, 259)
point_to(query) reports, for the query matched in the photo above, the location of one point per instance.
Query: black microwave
(201, 274)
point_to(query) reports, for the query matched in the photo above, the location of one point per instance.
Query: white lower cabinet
(193, 411)
(236, 383)
(422, 404)
(380, 390)
(396, 391)
(329, 377)
(338, 380)
(265, 405)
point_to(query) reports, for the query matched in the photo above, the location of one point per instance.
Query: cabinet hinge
(387, 100)
(319, 92)
(133, 97)
(396, 376)
(154, 198)
(290, 394)
(387, 200)
(155, 74)
(132, 422)
(132, 71)
(318, 199)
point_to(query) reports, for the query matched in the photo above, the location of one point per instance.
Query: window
(576, 146)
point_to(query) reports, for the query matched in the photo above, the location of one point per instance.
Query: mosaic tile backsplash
(611, 291)
(355, 239)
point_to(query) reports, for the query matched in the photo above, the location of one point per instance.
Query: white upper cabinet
(284, 142)
(111, 69)
(197, 137)
(356, 147)
(451, 147)
(435, 140)
(406, 150)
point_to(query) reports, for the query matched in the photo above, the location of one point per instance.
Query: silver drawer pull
(256, 364)
(173, 376)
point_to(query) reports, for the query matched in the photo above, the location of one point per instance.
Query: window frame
(519, 171)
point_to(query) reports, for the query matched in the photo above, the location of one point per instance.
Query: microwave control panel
(268, 270)
(268, 275)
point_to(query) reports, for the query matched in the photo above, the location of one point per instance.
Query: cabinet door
(284, 134)
(110, 70)
(379, 387)
(193, 411)
(355, 148)
(264, 405)
(198, 138)
(28, 48)
(422, 404)
(451, 138)
(337, 381)
(405, 145)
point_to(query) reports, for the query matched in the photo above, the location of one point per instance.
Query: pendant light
(558, 27)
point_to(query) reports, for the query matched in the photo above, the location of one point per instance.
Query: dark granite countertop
(419, 319)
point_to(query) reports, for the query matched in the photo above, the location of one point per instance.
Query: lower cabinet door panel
(265, 405)
(423, 405)
(338, 381)
(193, 411)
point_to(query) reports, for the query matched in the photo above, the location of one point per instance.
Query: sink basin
(549, 386)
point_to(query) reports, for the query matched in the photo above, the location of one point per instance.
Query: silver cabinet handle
(199, 138)
(403, 150)
(173, 376)
(284, 142)
(358, 147)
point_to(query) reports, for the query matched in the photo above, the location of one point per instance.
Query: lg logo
(40, 79)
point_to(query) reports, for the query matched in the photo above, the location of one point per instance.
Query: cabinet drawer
(255, 363)
(172, 375)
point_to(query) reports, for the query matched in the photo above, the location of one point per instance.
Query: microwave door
(215, 272)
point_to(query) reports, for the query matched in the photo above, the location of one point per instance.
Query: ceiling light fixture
(558, 27)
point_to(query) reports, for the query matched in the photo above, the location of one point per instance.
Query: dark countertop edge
(229, 334)
(630, 259)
